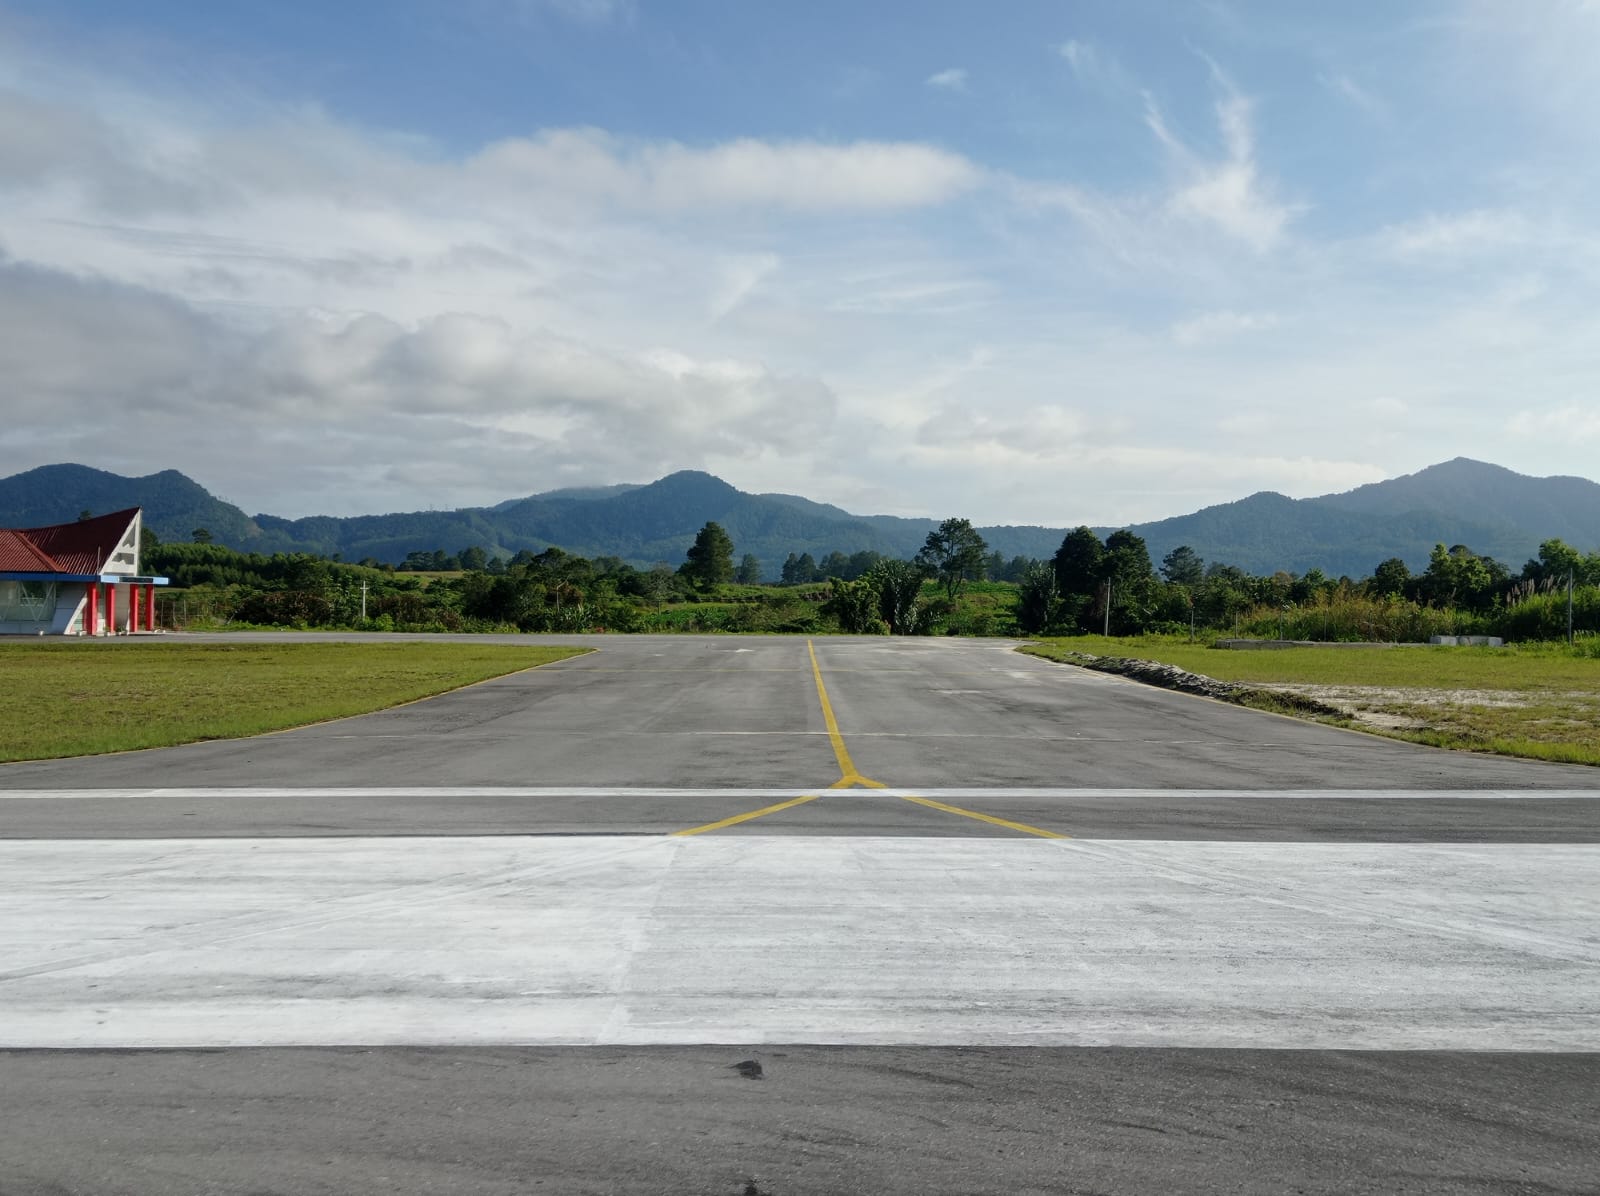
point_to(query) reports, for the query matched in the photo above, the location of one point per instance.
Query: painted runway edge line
(600, 792)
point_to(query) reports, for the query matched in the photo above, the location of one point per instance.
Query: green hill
(1493, 510)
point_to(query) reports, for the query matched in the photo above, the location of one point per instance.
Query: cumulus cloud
(82, 354)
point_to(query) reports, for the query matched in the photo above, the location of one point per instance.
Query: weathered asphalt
(646, 719)
(743, 713)
(821, 1120)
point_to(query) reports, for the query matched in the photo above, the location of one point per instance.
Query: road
(985, 922)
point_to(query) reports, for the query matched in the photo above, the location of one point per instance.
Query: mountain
(1489, 508)
(174, 504)
(1486, 507)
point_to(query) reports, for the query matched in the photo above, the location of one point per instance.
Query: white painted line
(453, 940)
(558, 791)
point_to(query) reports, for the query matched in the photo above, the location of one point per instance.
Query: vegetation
(82, 697)
(954, 553)
(1537, 700)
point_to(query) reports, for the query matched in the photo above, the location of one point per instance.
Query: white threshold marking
(534, 793)
(457, 940)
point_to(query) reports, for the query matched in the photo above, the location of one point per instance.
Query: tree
(1389, 579)
(1183, 566)
(473, 559)
(855, 605)
(1039, 598)
(1127, 560)
(1556, 560)
(1457, 576)
(954, 552)
(749, 573)
(898, 585)
(1079, 562)
(200, 535)
(710, 558)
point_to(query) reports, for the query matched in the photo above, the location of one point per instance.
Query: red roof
(18, 555)
(81, 547)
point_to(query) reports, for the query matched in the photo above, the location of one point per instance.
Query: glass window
(27, 601)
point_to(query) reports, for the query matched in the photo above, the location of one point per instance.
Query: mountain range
(1489, 508)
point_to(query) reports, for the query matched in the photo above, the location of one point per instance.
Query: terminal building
(76, 578)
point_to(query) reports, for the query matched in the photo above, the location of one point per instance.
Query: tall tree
(1183, 566)
(710, 558)
(1080, 562)
(749, 570)
(954, 552)
(1389, 579)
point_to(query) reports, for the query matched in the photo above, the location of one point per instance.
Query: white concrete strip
(551, 791)
(750, 939)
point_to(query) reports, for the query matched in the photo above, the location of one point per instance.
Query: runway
(934, 874)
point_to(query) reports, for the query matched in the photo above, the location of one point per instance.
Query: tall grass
(1348, 616)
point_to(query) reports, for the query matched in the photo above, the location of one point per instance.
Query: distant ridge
(1487, 507)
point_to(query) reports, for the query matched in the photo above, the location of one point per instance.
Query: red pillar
(91, 616)
(133, 608)
(149, 608)
(111, 609)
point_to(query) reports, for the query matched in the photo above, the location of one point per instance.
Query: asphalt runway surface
(984, 923)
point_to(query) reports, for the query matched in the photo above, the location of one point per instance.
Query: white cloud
(1227, 193)
(954, 79)
(1459, 233)
(81, 353)
(1563, 424)
(803, 175)
(1212, 326)
(263, 294)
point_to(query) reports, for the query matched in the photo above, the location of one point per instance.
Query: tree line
(953, 583)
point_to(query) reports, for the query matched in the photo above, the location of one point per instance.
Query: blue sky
(1027, 262)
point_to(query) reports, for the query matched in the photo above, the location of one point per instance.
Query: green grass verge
(1537, 701)
(82, 698)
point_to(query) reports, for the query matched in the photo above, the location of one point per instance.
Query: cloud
(1093, 67)
(1459, 233)
(1227, 193)
(1565, 424)
(1213, 326)
(84, 355)
(800, 175)
(954, 79)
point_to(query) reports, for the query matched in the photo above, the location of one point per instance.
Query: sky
(1031, 261)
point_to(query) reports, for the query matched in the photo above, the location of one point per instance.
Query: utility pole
(1108, 608)
(363, 602)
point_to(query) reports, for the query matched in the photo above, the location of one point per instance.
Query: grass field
(82, 698)
(1540, 701)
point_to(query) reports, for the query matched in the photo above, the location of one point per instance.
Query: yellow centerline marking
(847, 768)
(748, 815)
(989, 818)
(851, 778)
